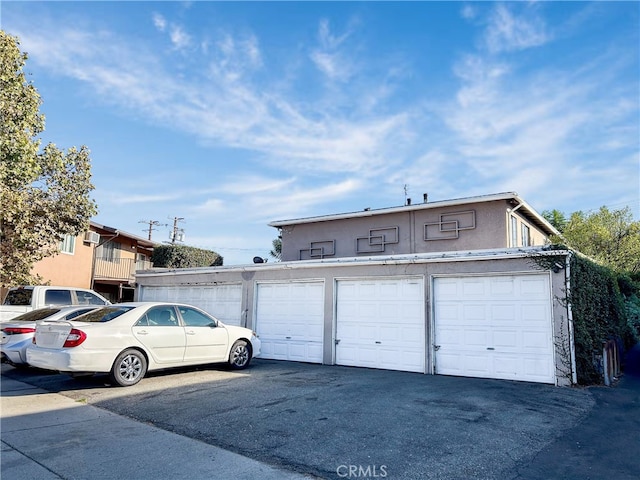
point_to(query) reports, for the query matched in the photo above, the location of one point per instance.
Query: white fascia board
(423, 206)
(442, 257)
(403, 208)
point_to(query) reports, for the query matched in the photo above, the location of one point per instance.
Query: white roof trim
(421, 206)
(465, 256)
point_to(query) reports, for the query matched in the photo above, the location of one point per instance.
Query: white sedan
(17, 333)
(128, 339)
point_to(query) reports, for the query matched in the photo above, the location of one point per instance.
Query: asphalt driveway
(339, 422)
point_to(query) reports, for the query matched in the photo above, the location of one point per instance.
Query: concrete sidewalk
(50, 436)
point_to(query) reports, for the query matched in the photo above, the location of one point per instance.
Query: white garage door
(290, 320)
(380, 323)
(494, 327)
(222, 301)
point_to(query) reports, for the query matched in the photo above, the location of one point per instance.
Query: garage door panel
(506, 366)
(449, 337)
(386, 330)
(222, 301)
(537, 312)
(501, 287)
(536, 366)
(476, 363)
(412, 336)
(473, 287)
(290, 320)
(473, 312)
(536, 340)
(475, 338)
(409, 361)
(506, 339)
(505, 313)
(534, 287)
(304, 331)
(450, 364)
(506, 334)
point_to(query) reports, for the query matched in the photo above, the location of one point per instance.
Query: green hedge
(599, 314)
(182, 256)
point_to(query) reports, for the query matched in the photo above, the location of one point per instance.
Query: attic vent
(92, 237)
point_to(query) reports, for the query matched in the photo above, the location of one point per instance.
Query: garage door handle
(490, 348)
(288, 338)
(378, 343)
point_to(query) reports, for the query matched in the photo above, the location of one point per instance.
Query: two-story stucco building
(448, 287)
(103, 258)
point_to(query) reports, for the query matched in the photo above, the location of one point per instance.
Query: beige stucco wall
(69, 270)
(482, 226)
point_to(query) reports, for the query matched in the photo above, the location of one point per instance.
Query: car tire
(240, 355)
(129, 368)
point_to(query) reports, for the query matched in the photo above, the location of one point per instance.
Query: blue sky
(235, 114)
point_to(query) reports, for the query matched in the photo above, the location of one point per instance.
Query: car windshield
(36, 315)
(19, 296)
(103, 314)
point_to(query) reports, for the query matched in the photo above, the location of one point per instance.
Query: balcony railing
(119, 268)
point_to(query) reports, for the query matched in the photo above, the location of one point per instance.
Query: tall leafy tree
(44, 193)
(610, 237)
(555, 218)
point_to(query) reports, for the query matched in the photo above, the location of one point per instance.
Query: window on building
(526, 240)
(110, 252)
(514, 231)
(68, 244)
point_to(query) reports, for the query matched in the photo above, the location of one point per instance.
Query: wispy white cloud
(523, 131)
(208, 207)
(159, 21)
(328, 56)
(126, 198)
(499, 127)
(508, 31)
(297, 200)
(179, 37)
(252, 184)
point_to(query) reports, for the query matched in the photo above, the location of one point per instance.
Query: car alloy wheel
(129, 368)
(240, 355)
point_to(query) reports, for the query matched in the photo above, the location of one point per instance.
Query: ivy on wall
(604, 306)
(182, 256)
(599, 314)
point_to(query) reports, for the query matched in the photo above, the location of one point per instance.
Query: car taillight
(18, 330)
(75, 338)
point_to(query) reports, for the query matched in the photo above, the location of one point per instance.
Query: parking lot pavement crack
(6, 445)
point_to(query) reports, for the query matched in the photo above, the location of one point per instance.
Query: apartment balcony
(119, 269)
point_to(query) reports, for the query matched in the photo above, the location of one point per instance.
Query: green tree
(610, 237)
(44, 194)
(276, 251)
(555, 218)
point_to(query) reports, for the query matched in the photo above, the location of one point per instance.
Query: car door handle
(143, 332)
(190, 332)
